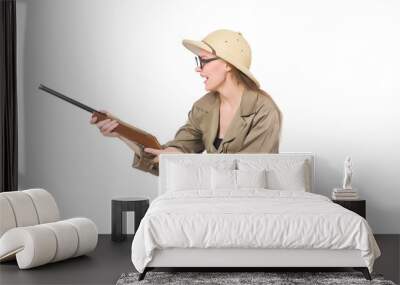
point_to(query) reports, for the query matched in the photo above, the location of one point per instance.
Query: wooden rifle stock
(130, 132)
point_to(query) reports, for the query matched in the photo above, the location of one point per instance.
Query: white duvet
(251, 218)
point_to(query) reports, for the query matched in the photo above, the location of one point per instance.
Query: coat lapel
(239, 122)
(214, 123)
(241, 118)
(235, 126)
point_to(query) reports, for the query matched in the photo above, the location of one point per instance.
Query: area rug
(269, 278)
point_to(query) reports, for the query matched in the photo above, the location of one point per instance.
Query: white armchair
(32, 233)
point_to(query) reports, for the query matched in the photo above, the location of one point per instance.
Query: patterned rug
(270, 278)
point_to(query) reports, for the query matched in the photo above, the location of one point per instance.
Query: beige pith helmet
(229, 45)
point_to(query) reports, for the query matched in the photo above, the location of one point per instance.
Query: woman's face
(213, 72)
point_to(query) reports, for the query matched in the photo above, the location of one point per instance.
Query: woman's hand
(158, 151)
(107, 126)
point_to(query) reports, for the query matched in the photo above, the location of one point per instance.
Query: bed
(244, 211)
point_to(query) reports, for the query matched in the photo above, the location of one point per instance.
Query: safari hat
(229, 45)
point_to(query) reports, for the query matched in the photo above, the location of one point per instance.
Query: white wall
(333, 67)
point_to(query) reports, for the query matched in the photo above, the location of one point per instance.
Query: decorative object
(343, 194)
(348, 173)
(347, 192)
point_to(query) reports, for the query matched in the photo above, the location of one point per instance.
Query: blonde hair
(243, 79)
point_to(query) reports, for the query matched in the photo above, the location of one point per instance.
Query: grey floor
(111, 259)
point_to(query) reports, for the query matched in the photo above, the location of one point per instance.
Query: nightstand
(119, 207)
(357, 206)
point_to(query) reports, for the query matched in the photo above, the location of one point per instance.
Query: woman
(234, 116)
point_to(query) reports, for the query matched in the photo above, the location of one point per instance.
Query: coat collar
(247, 103)
(240, 120)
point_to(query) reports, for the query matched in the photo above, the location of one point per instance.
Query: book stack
(344, 194)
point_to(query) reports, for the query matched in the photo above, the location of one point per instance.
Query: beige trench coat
(255, 128)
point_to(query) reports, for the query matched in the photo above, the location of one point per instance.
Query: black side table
(119, 207)
(357, 206)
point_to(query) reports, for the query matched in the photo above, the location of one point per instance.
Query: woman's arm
(142, 160)
(147, 160)
(188, 139)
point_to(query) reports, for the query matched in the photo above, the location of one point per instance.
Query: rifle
(128, 131)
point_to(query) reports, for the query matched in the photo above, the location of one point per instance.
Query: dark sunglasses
(201, 62)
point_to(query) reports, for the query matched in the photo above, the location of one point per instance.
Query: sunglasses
(200, 62)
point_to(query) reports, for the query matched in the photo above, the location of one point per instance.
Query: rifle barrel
(63, 97)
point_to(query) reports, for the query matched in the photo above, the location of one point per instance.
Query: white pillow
(223, 179)
(251, 178)
(181, 177)
(229, 179)
(282, 174)
(189, 175)
(287, 179)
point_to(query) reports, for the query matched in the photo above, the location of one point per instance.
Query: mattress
(252, 219)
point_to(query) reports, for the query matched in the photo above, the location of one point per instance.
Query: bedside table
(119, 207)
(357, 206)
